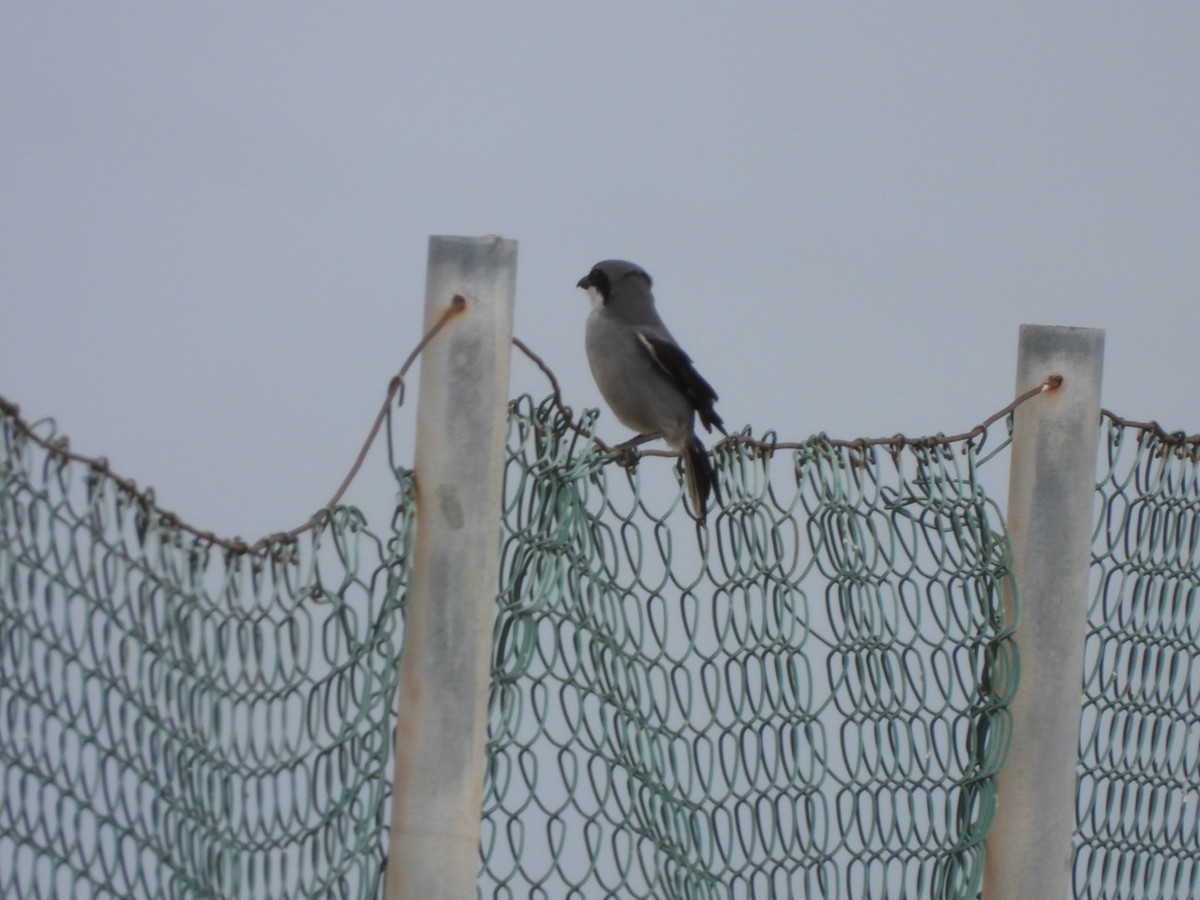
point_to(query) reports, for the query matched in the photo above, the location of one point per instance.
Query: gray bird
(643, 374)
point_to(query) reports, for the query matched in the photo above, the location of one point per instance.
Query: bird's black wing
(677, 366)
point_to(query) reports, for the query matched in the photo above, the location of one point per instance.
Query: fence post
(433, 846)
(1050, 519)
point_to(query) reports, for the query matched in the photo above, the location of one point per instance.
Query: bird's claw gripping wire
(626, 452)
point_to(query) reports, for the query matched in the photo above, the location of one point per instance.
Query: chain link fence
(806, 697)
(178, 719)
(802, 699)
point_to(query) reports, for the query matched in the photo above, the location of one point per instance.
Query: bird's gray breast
(632, 384)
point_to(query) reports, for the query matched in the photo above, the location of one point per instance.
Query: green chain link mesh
(805, 697)
(178, 721)
(1138, 803)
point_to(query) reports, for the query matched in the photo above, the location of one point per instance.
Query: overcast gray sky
(214, 217)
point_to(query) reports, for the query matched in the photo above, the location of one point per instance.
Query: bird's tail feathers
(700, 476)
(711, 419)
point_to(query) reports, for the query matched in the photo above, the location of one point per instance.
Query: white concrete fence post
(441, 732)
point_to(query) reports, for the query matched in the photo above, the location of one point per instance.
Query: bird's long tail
(701, 479)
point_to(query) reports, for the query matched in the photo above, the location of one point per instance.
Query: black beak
(584, 282)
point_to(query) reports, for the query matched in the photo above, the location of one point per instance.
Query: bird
(643, 374)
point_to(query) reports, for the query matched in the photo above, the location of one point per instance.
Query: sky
(214, 217)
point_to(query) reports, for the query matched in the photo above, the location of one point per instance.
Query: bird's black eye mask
(599, 281)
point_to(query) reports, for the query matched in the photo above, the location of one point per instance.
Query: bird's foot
(626, 455)
(626, 452)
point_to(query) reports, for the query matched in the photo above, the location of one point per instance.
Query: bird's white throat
(595, 296)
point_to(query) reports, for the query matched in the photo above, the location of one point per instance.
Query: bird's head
(610, 275)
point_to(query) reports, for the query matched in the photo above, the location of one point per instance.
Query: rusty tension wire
(1169, 438)
(1051, 383)
(235, 547)
(396, 386)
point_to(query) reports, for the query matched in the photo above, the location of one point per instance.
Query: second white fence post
(1050, 519)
